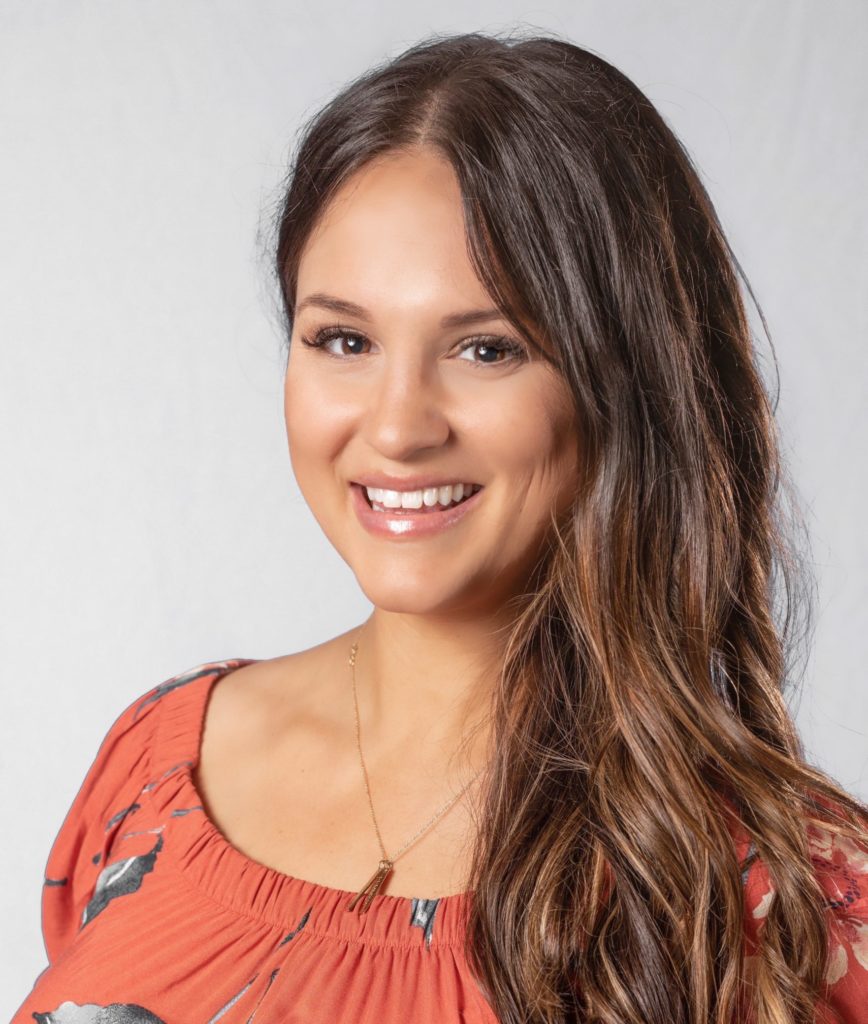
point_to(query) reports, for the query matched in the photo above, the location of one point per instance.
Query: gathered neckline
(234, 879)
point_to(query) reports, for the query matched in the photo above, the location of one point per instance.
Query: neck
(426, 684)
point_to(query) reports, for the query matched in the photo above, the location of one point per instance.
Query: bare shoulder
(268, 696)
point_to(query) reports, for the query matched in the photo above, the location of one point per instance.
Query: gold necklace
(372, 886)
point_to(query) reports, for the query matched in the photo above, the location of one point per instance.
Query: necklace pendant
(371, 887)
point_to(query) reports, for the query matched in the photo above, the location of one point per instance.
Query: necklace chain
(369, 890)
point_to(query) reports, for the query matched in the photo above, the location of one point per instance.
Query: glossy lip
(408, 524)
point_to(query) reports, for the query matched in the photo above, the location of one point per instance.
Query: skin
(279, 770)
(406, 400)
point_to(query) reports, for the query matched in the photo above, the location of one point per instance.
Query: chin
(460, 595)
(405, 598)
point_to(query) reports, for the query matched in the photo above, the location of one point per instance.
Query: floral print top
(841, 867)
(151, 916)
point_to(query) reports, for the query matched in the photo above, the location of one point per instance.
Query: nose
(405, 410)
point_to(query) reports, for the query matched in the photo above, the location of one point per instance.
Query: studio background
(150, 519)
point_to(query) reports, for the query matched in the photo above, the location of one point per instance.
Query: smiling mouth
(423, 509)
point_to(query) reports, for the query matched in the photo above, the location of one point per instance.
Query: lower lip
(409, 524)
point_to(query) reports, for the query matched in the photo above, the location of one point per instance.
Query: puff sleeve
(105, 800)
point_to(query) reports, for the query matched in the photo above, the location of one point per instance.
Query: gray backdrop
(150, 520)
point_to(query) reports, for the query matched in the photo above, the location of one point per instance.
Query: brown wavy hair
(644, 679)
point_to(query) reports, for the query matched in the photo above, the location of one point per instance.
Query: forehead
(393, 235)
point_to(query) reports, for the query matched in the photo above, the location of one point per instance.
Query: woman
(552, 777)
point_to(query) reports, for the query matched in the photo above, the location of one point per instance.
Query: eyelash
(500, 344)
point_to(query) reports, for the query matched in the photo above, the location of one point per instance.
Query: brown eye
(349, 342)
(492, 351)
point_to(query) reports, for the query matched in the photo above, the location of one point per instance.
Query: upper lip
(408, 483)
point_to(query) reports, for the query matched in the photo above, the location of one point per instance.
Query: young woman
(552, 777)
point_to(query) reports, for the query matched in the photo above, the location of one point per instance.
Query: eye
(323, 339)
(491, 349)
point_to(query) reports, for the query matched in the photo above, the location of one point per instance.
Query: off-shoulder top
(151, 916)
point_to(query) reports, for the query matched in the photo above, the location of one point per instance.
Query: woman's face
(400, 399)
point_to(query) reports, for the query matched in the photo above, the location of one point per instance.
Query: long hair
(642, 695)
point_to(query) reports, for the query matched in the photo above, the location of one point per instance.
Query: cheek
(533, 439)
(308, 440)
(314, 424)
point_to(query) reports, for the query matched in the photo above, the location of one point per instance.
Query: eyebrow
(337, 305)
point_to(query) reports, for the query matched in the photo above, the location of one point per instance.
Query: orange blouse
(151, 916)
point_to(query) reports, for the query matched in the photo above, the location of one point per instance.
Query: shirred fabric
(151, 916)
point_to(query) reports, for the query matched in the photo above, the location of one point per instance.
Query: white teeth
(411, 499)
(428, 497)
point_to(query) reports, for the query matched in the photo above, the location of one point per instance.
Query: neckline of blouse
(236, 881)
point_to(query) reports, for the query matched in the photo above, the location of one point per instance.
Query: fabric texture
(151, 916)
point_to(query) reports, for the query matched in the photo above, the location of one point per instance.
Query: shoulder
(278, 695)
(120, 770)
(841, 869)
(131, 737)
(123, 759)
(123, 755)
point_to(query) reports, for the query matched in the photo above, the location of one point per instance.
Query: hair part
(640, 719)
